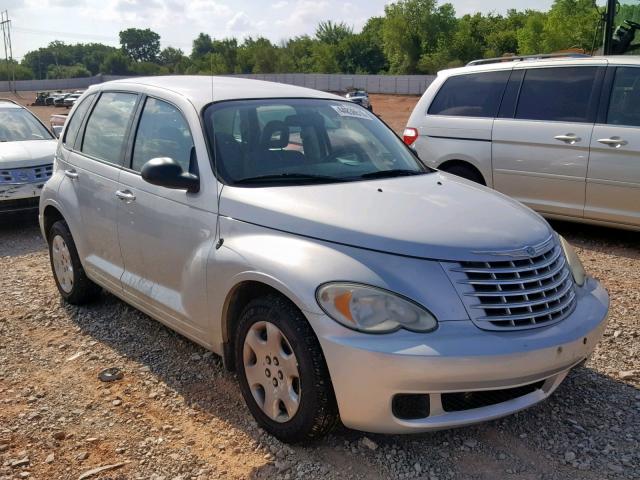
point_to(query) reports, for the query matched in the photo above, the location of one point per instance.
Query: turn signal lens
(372, 310)
(410, 135)
(575, 265)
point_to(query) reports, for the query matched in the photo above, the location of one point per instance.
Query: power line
(84, 36)
(5, 23)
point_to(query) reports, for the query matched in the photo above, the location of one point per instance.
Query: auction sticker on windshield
(349, 111)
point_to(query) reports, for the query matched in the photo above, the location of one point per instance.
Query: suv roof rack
(520, 58)
(10, 101)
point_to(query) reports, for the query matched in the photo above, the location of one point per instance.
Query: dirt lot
(393, 109)
(177, 414)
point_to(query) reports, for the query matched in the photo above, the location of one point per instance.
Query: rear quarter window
(470, 95)
(75, 121)
(561, 94)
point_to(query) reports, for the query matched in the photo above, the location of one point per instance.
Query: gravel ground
(177, 414)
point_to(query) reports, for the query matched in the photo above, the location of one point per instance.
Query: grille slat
(513, 268)
(26, 175)
(537, 277)
(530, 303)
(515, 294)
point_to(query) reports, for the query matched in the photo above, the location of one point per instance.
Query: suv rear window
(104, 135)
(561, 94)
(473, 95)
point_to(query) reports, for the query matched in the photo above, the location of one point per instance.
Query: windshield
(18, 124)
(298, 141)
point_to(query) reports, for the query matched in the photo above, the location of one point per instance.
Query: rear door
(540, 150)
(613, 180)
(165, 234)
(93, 170)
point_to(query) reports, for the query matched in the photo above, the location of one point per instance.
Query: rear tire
(72, 282)
(465, 172)
(279, 362)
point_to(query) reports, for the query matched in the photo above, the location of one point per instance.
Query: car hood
(432, 216)
(28, 153)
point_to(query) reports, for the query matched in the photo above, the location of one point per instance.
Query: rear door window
(624, 106)
(105, 134)
(473, 95)
(561, 94)
(75, 121)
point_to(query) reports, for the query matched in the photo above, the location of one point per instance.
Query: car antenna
(220, 240)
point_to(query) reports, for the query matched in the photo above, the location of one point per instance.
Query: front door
(165, 235)
(540, 156)
(93, 170)
(613, 180)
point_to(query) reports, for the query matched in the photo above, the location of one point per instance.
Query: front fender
(296, 266)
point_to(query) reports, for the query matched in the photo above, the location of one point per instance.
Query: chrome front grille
(41, 173)
(518, 293)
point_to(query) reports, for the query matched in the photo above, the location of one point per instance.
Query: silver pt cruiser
(294, 234)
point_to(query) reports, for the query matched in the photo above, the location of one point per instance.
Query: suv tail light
(410, 135)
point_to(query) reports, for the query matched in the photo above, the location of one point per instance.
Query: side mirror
(166, 172)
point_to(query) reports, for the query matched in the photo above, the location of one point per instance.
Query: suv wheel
(283, 375)
(465, 172)
(72, 282)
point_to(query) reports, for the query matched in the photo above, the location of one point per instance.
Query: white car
(293, 233)
(27, 149)
(561, 135)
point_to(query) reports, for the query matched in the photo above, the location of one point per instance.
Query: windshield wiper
(392, 173)
(302, 177)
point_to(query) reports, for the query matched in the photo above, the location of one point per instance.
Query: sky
(35, 23)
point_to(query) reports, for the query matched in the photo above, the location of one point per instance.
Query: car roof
(545, 62)
(201, 90)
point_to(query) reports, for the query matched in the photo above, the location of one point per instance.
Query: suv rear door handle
(615, 142)
(126, 196)
(72, 174)
(569, 138)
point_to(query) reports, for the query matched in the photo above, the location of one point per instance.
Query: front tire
(283, 375)
(72, 282)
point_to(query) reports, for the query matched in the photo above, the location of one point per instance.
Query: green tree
(174, 60)
(333, 32)
(116, 63)
(140, 45)
(530, 36)
(570, 24)
(202, 45)
(413, 28)
(12, 69)
(68, 71)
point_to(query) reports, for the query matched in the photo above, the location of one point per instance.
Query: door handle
(126, 196)
(615, 142)
(72, 174)
(569, 138)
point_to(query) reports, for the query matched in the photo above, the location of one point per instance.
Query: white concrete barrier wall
(391, 84)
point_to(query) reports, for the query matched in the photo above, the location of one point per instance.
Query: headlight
(372, 310)
(575, 265)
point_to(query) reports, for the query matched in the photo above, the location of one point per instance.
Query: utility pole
(5, 24)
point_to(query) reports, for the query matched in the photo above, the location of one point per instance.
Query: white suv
(560, 135)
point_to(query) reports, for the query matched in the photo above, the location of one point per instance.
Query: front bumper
(16, 197)
(367, 371)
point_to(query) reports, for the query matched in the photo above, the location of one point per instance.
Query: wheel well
(51, 215)
(235, 303)
(462, 164)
